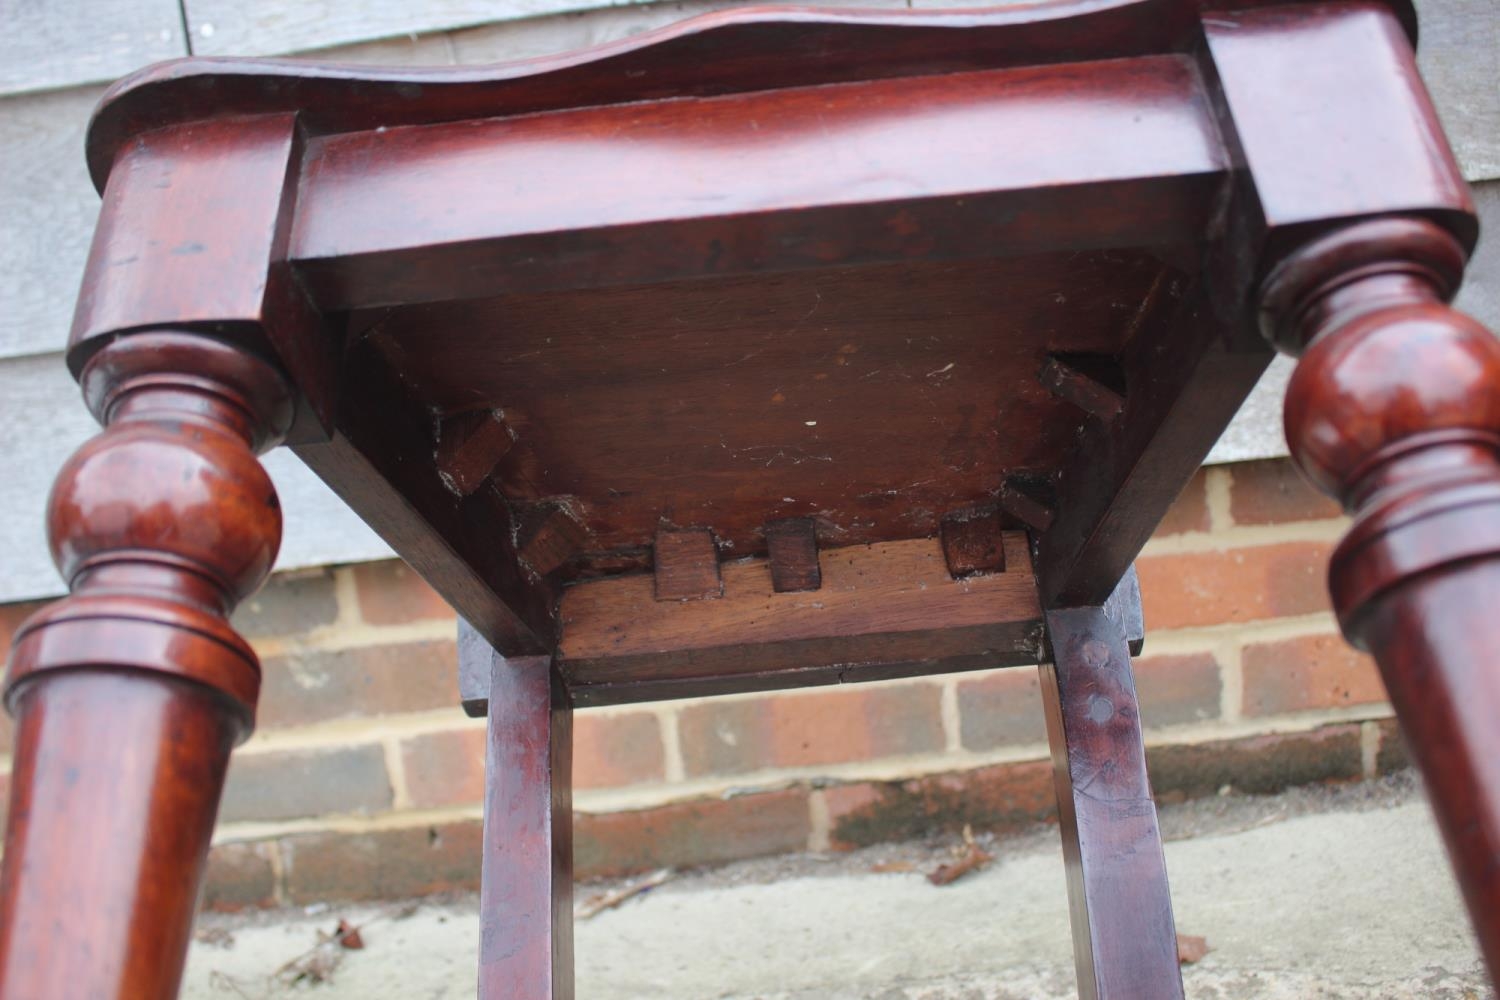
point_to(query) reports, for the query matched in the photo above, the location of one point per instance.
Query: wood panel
(883, 610)
(1004, 161)
(1326, 138)
(874, 399)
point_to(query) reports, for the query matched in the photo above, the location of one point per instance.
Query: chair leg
(526, 896)
(129, 693)
(1124, 940)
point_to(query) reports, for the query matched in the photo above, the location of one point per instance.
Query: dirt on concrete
(1320, 892)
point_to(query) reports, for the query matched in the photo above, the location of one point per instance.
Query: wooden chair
(781, 347)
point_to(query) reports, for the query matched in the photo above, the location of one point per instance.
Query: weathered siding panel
(546, 35)
(47, 207)
(270, 27)
(46, 44)
(1458, 51)
(47, 212)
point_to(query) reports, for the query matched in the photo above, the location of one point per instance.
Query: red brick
(393, 864)
(1238, 585)
(447, 768)
(304, 687)
(1260, 765)
(444, 769)
(382, 864)
(1308, 672)
(239, 876)
(1001, 709)
(1189, 512)
(1179, 689)
(391, 593)
(614, 751)
(1005, 708)
(699, 832)
(1274, 492)
(1393, 754)
(11, 617)
(292, 784)
(1000, 797)
(290, 604)
(809, 729)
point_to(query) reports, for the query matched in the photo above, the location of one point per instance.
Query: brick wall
(364, 779)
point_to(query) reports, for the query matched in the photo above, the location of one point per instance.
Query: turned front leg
(1395, 409)
(129, 693)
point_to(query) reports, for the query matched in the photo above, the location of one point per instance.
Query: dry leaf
(970, 857)
(348, 936)
(1191, 948)
(893, 866)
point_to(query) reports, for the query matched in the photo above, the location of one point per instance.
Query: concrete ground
(1341, 892)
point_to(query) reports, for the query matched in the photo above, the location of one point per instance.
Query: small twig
(220, 981)
(341, 938)
(609, 900)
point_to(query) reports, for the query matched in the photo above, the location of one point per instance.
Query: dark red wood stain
(784, 279)
(526, 892)
(792, 548)
(1124, 940)
(687, 565)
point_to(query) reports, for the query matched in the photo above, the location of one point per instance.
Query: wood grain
(880, 181)
(685, 565)
(1380, 146)
(892, 605)
(729, 402)
(161, 525)
(792, 548)
(1124, 940)
(972, 543)
(1394, 411)
(526, 887)
(469, 446)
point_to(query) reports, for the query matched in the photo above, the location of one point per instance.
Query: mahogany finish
(129, 693)
(780, 347)
(526, 902)
(882, 611)
(1394, 410)
(1124, 940)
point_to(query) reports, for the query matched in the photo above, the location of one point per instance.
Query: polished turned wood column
(129, 693)
(1395, 410)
